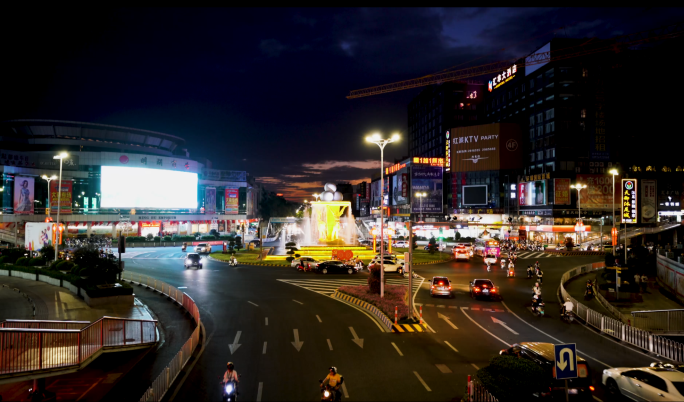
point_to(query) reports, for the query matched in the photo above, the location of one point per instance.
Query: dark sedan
(484, 288)
(335, 267)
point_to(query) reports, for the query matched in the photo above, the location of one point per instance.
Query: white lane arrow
(356, 339)
(297, 344)
(446, 319)
(235, 344)
(503, 324)
(571, 359)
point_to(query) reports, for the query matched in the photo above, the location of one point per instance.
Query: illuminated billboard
(629, 201)
(532, 193)
(486, 147)
(132, 187)
(427, 179)
(475, 195)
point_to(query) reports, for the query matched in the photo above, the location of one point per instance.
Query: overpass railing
(163, 382)
(618, 329)
(27, 347)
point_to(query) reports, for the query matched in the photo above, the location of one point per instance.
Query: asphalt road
(265, 310)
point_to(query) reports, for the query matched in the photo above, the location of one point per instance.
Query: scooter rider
(589, 288)
(230, 374)
(233, 260)
(568, 306)
(489, 266)
(529, 271)
(540, 275)
(335, 381)
(536, 290)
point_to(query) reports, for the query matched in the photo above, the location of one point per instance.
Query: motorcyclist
(233, 260)
(568, 306)
(540, 275)
(536, 290)
(489, 266)
(529, 271)
(230, 375)
(334, 380)
(589, 288)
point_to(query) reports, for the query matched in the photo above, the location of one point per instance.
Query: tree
(99, 270)
(432, 245)
(292, 247)
(48, 252)
(238, 243)
(457, 236)
(150, 236)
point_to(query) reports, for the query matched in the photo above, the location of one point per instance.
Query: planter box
(123, 300)
(73, 289)
(4, 272)
(24, 275)
(47, 279)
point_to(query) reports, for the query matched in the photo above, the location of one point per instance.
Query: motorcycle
(489, 268)
(540, 310)
(184, 247)
(229, 391)
(511, 273)
(328, 393)
(589, 294)
(568, 316)
(233, 263)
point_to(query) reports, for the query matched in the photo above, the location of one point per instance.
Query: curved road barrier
(163, 382)
(640, 338)
(366, 306)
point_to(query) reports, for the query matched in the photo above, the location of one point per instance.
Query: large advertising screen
(532, 193)
(38, 234)
(232, 200)
(426, 179)
(400, 187)
(132, 187)
(23, 195)
(599, 191)
(486, 147)
(64, 199)
(475, 195)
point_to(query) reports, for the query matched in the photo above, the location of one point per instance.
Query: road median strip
(399, 328)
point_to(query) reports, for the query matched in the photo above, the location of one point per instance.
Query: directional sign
(566, 361)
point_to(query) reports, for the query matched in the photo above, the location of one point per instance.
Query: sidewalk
(112, 376)
(654, 298)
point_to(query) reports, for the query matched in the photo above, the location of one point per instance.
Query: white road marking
(297, 344)
(483, 328)
(446, 319)
(235, 345)
(453, 348)
(182, 287)
(266, 320)
(254, 304)
(344, 390)
(422, 382)
(474, 365)
(329, 344)
(297, 301)
(319, 318)
(558, 340)
(397, 349)
(261, 387)
(503, 324)
(263, 352)
(356, 339)
(443, 368)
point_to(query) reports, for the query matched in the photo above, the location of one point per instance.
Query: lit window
(512, 195)
(583, 113)
(512, 186)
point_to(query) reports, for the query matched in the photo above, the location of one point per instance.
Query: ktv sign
(502, 78)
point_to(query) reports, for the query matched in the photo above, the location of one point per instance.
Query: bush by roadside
(395, 296)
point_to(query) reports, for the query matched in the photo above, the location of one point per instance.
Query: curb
(575, 253)
(366, 306)
(248, 263)
(433, 262)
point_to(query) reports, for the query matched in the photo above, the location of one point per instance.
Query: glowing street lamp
(377, 139)
(61, 157)
(579, 225)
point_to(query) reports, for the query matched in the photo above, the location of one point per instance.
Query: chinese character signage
(23, 195)
(648, 201)
(232, 201)
(428, 161)
(15, 158)
(599, 191)
(486, 147)
(561, 190)
(427, 179)
(502, 78)
(629, 201)
(447, 151)
(64, 199)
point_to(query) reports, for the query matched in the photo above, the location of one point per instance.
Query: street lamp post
(48, 179)
(61, 157)
(379, 141)
(613, 173)
(420, 197)
(579, 188)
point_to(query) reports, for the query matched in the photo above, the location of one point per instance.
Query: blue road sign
(565, 361)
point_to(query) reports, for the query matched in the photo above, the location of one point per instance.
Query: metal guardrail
(478, 393)
(660, 320)
(161, 384)
(24, 348)
(618, 329)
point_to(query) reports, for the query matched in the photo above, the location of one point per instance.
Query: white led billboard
(129, 187)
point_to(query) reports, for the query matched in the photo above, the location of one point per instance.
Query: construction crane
(592, 46)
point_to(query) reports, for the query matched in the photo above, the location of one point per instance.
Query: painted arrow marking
(503, 324)
(297, 344)
(235, 345)
(356, 339)
(446, 319)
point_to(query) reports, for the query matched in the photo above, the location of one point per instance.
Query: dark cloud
(271, 47)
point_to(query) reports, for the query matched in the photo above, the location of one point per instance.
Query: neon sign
(428, 161)
(448, 152)
(629, 201)
(502, 78)
(395, 168)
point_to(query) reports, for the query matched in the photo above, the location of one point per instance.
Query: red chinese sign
(561, 190)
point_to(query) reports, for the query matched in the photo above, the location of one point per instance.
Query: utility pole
(409, 263)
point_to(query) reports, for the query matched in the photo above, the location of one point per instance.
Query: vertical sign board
(565, 361)
(561, 191)
(232, 200)
(648, 201)
(629, 201)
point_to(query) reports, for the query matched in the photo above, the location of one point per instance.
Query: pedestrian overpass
(31, 349)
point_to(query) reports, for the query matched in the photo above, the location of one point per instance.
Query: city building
(115, 180)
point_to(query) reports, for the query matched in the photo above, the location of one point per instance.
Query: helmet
(230, 366)
(334, 369)
(567, 298)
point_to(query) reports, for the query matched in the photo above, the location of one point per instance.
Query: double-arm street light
(613, 173)
(61, 157)
(420, 197)
(381, 142)
(48, 179)
(579, 188)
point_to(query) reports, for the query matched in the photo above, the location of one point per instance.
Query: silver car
(440, 286)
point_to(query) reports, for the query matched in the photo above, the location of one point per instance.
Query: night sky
(264, 90)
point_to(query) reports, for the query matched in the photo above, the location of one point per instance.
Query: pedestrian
(644, 283)
(637, 279)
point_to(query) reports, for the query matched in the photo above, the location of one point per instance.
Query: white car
(660, 382)
(203, 248)
(461, 253)
(401, 244)
(306, 260)
(490, 258)
(391, 265)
